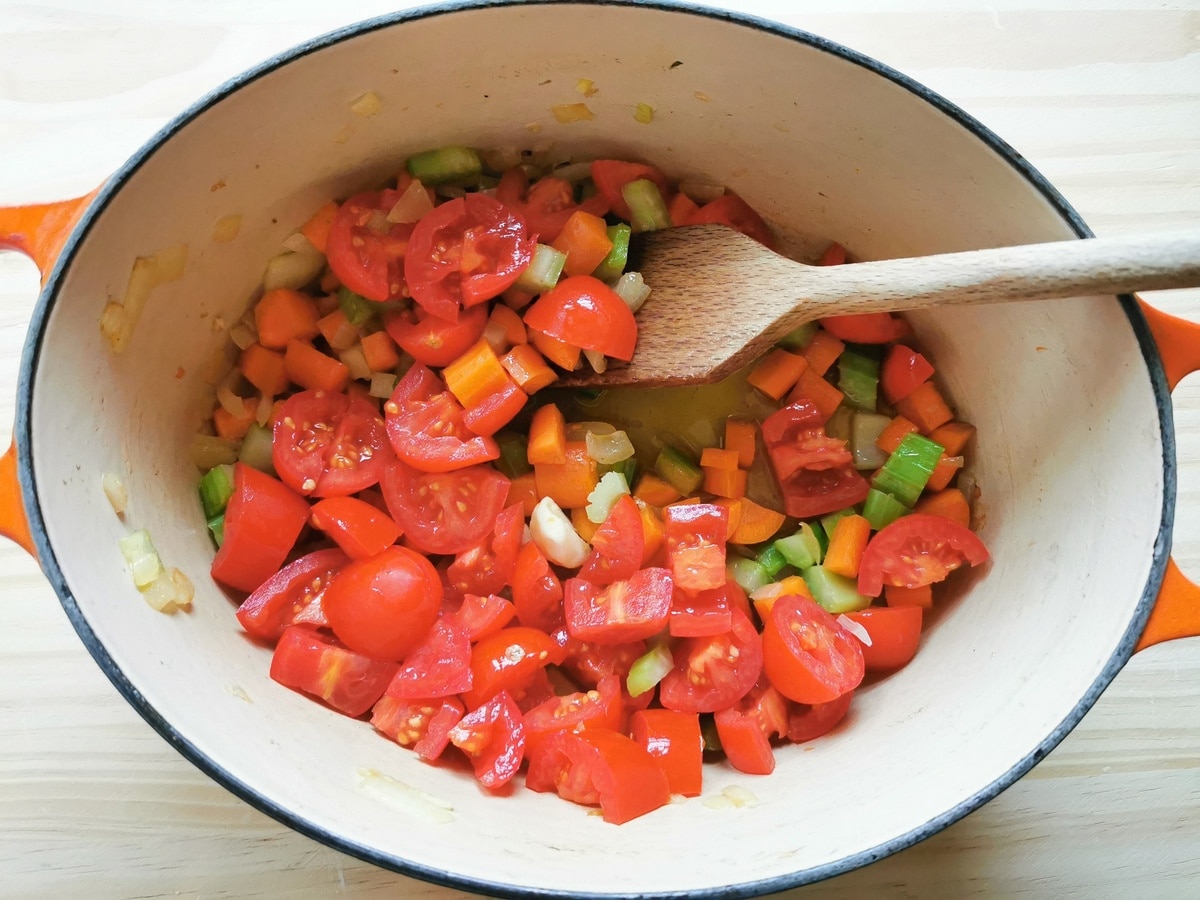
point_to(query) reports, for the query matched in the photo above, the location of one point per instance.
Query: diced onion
(242, 335)
(383, 384)
(566, 113)
(864, 432)
(607, 449)
(345, 337)
(702, 191)
(119, 318)
(596, 360)
(573, 173)
(292, 270)
(413, 204)
(367, 104)
(644, 113)
(501, 159)
(578, 431)
(170, 592)
(604, 495)
(263, 415)
(298, 243)
(586, 86)
(767, 591)
(632, 288)
(739, 796)
(405, 797)
(353, 359)
(855, 628)
(231, 402)
(555, 536)
(114, 490)
(142, 558)
(208, 451)
(227, 228)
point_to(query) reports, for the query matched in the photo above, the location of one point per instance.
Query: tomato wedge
(536, 591)
(546, 205)
(674, 740)
(349, 682)
(508, 661)
(866, 328)
(356, 526)
(432, 340)
(713, 672)
(611, 176)
(703, 614)
(895, 633)
(617, 546)
(422, 724)
(484, 616)
(588, 662)
(585, 312)
(596, 708)
(292, 596)
(807, 655)
(808, 722)
(444, 512)
(487, 566)
(917, 550)
(695, 537)
(732, 210)
(365, 250)
(815, 472)
(262, 521)
(328, 445)
(439, 666)
(426, 429)
(902, 372)
(493, 737)
(622, 612)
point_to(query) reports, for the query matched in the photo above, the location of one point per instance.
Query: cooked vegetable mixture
(430, 534)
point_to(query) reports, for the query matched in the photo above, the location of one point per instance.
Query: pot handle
(1176, 612)
(39, 231)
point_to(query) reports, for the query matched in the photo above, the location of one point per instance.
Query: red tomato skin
(439, 666)
(536, 590)
(432, 340)
(732, 210)
(617, 546)
(262, 521)
(746, 747)
(368, 262)
(588, 662)
(807, 655)
(422, 724)
(815, 472)
(292, 595)
(805, 722)
(382, 606)
(349, 682)
(425, 505)
(902, 372)
(867, 328)
(585, 312)
(703, 614)
(328, 445)
(895, 633)
(599, 707)
(425, 427)
(611, 176)
(546, 205)
(620, 613)
(941, 543)
(508, 661)
(484, 616)
(493, 737)
(356, 526)
(728, 677)
(487, 566)
(695, 541)
(674, 739)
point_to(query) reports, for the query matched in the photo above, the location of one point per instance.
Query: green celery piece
(747, 573)
(858, 378)
(256, 449)
(514, 458)
(802, 549)
(881, 509)
(907, 470)
(830, 521)
(678, 471)
(613, 265)
(217, 526)
(834, 593)
(841, 424)
(216, 487)
(141, 557)
(647, 209)
(649, 669)
(772, 560)
(799, 338)
(445, 165)
(543, 271)
(627, 468)
(358, 309)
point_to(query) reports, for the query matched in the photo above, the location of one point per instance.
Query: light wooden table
(1105, 102)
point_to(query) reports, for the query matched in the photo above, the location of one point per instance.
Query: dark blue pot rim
(49, 563)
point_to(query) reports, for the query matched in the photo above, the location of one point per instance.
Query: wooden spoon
(719, 299)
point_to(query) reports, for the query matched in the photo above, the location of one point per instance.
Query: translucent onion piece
(383, 384)
(702, 191)
(578, 431)
(413, 204)
(227, 228)
(501, 159)
(632, 288)
(208, 451)
(119, 318)
(298, 243)
(231, 402)
(367, 104)
(855, 628)
(596, 360)
(354, 360)
(566, 113)
(114, 490)
(292, 270)
(242, 335)
(607, 449)
(604, 495)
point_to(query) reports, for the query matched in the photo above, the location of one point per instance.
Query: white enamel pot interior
(1074, 452)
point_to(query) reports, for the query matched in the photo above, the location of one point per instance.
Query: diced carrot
(655, 491)
(716, 458)
(317, 228)
(329, 281)
(757, 523)
(944, 472)
(681, 209)
(901, 596)
(380, 352)
(505, 329)
(331, 325)
(740, 436)
(734, 505)
(925, 408)
(523, 490)
(584, 238)
(846, 545)
(951, 503)
(953, 436)
(313, 370)
(724, 482)
(528, 368)
(834, 255)
(569, 483)
(231, 427)
(893, 433)
(284, 315)
(475, 375)
(496, 410)
(652, 531)
(822, 351)
(586, 527)
(515, 299)
(777, 373)
(824, 396)
(547, 437)
(562, 354)
(264, 369)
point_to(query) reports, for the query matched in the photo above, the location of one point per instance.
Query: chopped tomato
(432, 340)
(702, 614)
(611, 176)
(426, 429)
(866, 328)
(465, 252)
(746, 729)
(588, 662)
(439, 666)
(674, 740)
(617, 545)
(262, 521)
(732, 210)
(292, 596)
(328, 445)
(713, 672)
(601, 767)
(622, 612)
(365, 250)
(421, 724)
(356, 526)
(508, 661)
(895, 632)
(695, 538)
(815, 472)
(807, 655)
(536, 591)
(599, 707)
(383, 605)
(807, 722)
(483, 616)
(585, 312)
(350, 682)
(444, 512)
(917, 550)
(547, 205)
(487, 566)
(902, 372)
(493, 737)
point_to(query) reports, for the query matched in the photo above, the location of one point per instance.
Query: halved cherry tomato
(617, 545)
(815, 472)
(807, 655)
(702, 614)
(625, 611)
(382, 606)
(329, 445)
(536, 591)
(306, 661)
(895, 632)
(598, 766)
(732, 210)
(599, 707)
(422, 724)
(508, 661)
(808, 722)
(493, 737)
(432, 340)
(425, 426)
(866, 328)
(356, 526)
(365, 250)
(262, 521)
(483, 616)
(439, 666)
(746, 729)
(292, 596)
(695, 539)
(902, 372)
(611, 176)
(585, 312)
(588, 662)
(465, 252)
(674, 740)
(487, 566)
(444, 512)
(917, 550)
(713, 672)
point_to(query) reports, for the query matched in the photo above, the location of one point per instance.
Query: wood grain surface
(1103, 97)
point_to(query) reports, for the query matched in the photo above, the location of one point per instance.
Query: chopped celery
(626, 468)
(864, 432)
(613, 265)
(678, 471)
(830, 521)
(256, 449)
(907, 470)
(543, 271)
(802, 549)
(217, 526)
(358, 309)
(608, 490)
(799, 338)
(446, 164)
(513, 460)
(649, 669)
(835, 593)
(139, 553)
(216, 487)
(747, 573)
(881, 509)
(647, 209)
(772, 560)
(841, 424)
(632, 288)
(858, 377)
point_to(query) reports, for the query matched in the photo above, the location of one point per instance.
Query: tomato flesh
(292, 596)
(426, 429)
(585, 312)
(432, 340)
(611, 176)
(702, 614)
(262, 521)
(439, 666)
(866, 328)
(445, 512)
(917, 550)
(815, 472)
(308, 662)
(328, 444)
(807, 655)
(508, 661)
(674, 740)
(713, 672)
(732, 210)
(421, 724)
(617, 546)
(487, 566)
(808, 722)
(356, 526)
(365, 250)
(902, 372)
(536, 590)
(622, 612)
(599, 707)
(484, 616)
(695, 539)
(493, 737)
